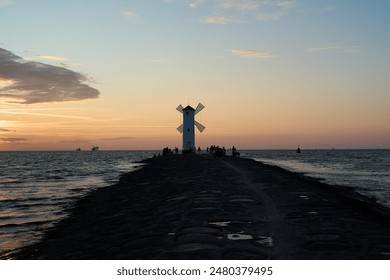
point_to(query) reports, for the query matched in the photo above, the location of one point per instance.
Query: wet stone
(204, 230)
(244, 253)
(220, 223)
(192, 247)
(241, 200)
(198, 237)
(266, 241)
(204, 208)
(239, 236)
(322, 237)
(183, 197)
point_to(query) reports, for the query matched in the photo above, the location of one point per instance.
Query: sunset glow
(271, 73)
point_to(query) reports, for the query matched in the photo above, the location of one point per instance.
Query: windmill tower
(188, 126)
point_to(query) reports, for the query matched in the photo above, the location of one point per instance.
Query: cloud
(131, 16)
(75, 141)
(274, 15)
(339, 48)
(240, 5)
(285, 3)
(29, 82)
(37, 112)
(4, 130)
(226, 11)
(49, 57)
(118, 139)
(217, 20)
(195, 3)
(5, 3)
(253, 53)
(12, 140)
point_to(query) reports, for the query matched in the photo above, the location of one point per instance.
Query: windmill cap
(189, 108)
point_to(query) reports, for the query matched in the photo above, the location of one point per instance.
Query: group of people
(167, 151)
(215, 151)
(219, 152)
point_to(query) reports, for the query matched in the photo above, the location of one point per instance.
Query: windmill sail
(187, 128)
(199, 108)
(180, 108)
(199, 126)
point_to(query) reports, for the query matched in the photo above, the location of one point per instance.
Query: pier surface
(197, 207)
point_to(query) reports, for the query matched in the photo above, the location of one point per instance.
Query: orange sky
(271, 74)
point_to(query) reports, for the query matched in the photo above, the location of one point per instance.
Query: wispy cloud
(79, 141)
(29, 82)
(195, 3)
(339, 48)
(241, 5)
(12, 140)
(60, 61)
(285, 3)
(5, 3)
(217, 20)
(131, 16)
(272, 15)
(125, 138)
(48, 57)
(32, 113)
(253, 53)
(230, 11)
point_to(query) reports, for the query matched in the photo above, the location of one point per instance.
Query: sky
(272, 74)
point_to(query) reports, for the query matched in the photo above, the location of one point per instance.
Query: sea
(36, 188)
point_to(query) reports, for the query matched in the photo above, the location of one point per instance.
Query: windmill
(188, 126)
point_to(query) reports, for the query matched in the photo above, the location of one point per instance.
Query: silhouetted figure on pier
(234, 152)
(166, 152)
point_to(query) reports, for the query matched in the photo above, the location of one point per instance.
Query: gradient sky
(271, 73)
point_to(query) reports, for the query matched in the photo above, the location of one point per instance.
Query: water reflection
(35, 187)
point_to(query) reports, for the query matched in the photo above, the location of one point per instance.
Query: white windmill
(188, 126)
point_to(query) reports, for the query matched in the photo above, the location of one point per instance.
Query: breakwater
(197, 207)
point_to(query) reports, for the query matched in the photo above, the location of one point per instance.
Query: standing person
(234, 151)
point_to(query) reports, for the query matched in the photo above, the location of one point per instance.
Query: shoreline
(196, 207)
(350, 192)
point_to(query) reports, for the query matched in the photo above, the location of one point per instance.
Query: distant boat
(78, 149)
(96, 148)
(298, 150)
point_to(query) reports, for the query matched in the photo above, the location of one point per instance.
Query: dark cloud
(4, 130)
(12, 140)
(36, 82)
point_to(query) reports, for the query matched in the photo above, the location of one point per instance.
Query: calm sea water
(36, 187)
(366, 171)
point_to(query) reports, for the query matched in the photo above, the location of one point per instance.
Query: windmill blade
(199, 126)
(199, 108)
(180, 108)
(180, 129)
